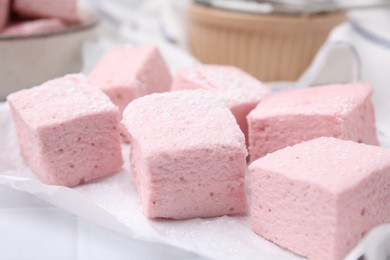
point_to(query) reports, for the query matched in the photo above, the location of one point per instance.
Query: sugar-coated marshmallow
(188, 155)
(341, 111)
(320, 197)
(68, 131)
(240, 91)
(125, 74)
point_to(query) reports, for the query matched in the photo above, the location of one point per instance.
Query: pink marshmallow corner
(125, 74)
(320, 197)
(240, 91)
(68, 131)
(188, 155)
(290, 117)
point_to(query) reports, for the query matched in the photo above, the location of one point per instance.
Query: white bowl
(29, 60)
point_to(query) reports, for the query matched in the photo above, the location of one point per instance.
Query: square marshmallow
(68, 131)
(188, 155)
(320, 197)
(62, 9)
(290, 117)
(125, 74)
(239, 90)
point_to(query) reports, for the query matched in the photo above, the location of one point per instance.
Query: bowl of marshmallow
(41, 39)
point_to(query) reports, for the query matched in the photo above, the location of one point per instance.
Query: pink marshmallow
(125, 74)
(320, 197)
(34, 27)
(240, 91)
(188, 155)
(62, 9)
(288, 118)
(68, 131)
(4, 13)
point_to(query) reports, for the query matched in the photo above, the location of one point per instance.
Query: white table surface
(33, 229)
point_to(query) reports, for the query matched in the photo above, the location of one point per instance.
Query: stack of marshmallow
(318, 180)
(25, 17)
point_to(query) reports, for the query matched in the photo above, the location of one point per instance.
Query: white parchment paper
(113, 202)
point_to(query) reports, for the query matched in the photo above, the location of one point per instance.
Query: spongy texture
(34, 27)
(128, 73)
(4, 13)
(239, 90)
(288, 118)
(68, 130)
(318, 198)
(188, 155)
(62, 9)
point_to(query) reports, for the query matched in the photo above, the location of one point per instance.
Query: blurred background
(291, 43)
(273, 40)
(286, 43)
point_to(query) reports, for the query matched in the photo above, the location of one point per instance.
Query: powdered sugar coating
(288, 118)
(333, 164)
(128, 73)
(185, 119)
(239, 90)
(68, 131)
(65, 98)
(188, 155)
(231, 83)
(326, 100)
(320, 197)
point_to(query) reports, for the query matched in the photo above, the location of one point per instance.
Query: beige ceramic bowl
(270, 47)
(26, 61)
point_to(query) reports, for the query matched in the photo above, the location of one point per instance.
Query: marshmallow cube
(188, 155)
(125, 74)
(62, 9)
(290, 117)
(320, 197)
(68, 131)
(239, 90)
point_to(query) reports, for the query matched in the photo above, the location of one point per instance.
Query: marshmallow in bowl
(62, 9)
(320, 197)
(68, 131)
(188, 155)
(34, 27)
(4, 13)
(240, 91)
(125, 74)
(343, 111)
